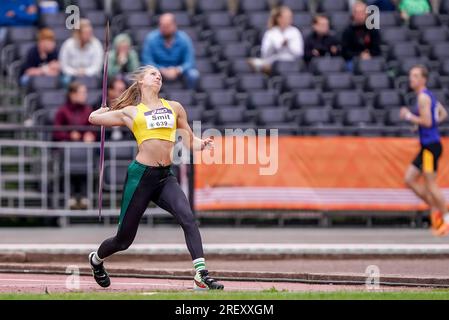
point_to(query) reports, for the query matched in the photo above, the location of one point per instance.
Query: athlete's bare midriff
(155, 152)
(152, 152)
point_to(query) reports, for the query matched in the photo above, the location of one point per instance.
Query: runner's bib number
(159, 118)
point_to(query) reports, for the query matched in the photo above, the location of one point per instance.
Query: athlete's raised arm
(108, 118)
(192, 141)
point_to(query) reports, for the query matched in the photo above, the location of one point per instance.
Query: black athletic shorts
(427, 158)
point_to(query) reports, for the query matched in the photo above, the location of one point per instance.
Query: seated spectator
(171, 51)
(409, 8)
(82, 54)
(122, 58)
(358, 41)
(281, 42)
(320, 42)
(18, 12)
(42, 59)
(75, 113)
(116, 87)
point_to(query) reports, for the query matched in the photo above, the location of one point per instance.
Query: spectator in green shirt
(409, 8)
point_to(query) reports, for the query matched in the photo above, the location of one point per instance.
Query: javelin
(103, 105)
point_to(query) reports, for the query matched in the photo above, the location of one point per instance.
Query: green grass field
(228, 295)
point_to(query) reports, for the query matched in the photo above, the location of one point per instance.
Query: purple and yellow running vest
(429, 135)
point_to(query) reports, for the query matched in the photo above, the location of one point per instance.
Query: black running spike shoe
(99, 273)
(202, 281)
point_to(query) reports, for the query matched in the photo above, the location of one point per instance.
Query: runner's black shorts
(427, 159)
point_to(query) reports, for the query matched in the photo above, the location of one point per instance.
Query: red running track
(38, 283)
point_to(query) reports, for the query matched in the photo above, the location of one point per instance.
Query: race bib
(159, 118)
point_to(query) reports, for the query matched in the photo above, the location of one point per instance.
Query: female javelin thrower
(153, 122)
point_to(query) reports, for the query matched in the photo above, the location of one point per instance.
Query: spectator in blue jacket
(171, 51)
(18, 12)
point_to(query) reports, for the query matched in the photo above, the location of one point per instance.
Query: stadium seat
(348, 99)
(444, 69)
(201, 49)
(41, 83)
(444, 6)
(136, 20)
(296, 5)
(404, 50)
(170, 6)
(94, 97)
(249, 82)
(316, 116)
(216, 20)
(204, 66)
(207, 6)
(130, 5)
(299, 81)
(434, 35)
(89, 82)
(49, 99)
(392, 118)
(235, 50)
(387, 99)
(239, 66)
(327, 65)
(53, 20)
(358, 116)
(78, 160)
(185, 97)
(420, 21)
(287, 67)
(440, 51)
(62, 34)
(258, 20)
(302, 20)
(389, 19)
(231, 115)
(338, 81)
(212, 82)
(375, 64)
(309, 98)
(252, 6)
(262, 98)
(225, 35)
(87, 5)
(328, 6)
(378, 81)
(120, 153)
(22, 34)
(97, 18)
(273, 115)
(395, 35)
(194, 113)
(219, 98)
(340, 20)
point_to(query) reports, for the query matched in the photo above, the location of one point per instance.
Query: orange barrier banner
(322, 173)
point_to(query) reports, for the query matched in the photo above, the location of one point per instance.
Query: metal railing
(35, 177)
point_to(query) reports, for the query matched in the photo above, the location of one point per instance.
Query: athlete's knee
(409, 181)
(123, 243)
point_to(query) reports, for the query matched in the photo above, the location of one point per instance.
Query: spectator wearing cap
(281, 42)
(82, 54)
(320, 42)
(122, 58)
(171, 51)
(359, 41)
(42, 59)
